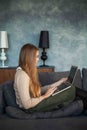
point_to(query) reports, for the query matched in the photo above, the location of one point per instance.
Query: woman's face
(37, 57)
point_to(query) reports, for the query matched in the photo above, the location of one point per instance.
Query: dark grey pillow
(49, 78)
(84, 78)
(9, 94)
(73, 109)
(2, 103)
(18, 113)
(85, 112)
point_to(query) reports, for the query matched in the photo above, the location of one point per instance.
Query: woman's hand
(53, 87)
(63, 80)
(49, 92)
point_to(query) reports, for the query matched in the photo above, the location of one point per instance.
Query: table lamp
(44, 44)
(3, 46)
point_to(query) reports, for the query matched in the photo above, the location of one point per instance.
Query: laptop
(69, 82)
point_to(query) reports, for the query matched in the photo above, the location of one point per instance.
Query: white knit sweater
(21, 87)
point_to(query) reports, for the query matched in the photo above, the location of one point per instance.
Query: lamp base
(44, 66)
(4, 66)
(3, 58)
(44, 57)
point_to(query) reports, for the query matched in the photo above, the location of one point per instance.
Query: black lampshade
(44, 39)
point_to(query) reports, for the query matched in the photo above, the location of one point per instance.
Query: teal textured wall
(66, 21)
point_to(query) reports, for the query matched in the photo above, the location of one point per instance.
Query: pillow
(49, 78)
(2, 103)
(85, 112)
(73, 109)
(17, 113)
(9, 94)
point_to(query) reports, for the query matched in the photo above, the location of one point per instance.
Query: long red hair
(27, 61)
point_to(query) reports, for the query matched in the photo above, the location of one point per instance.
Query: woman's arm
(22, 82)
(56, 84)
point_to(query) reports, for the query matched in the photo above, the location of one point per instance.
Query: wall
(66, 21)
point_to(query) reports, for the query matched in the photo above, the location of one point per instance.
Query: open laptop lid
(71, 78)
(72, 74)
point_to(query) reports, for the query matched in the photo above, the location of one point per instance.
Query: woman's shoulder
(21, 73)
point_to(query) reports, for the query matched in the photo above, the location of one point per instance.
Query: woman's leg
(54, 102)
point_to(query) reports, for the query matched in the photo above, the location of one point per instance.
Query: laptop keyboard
(63, 86)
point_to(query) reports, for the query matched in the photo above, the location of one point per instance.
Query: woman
(28, 89)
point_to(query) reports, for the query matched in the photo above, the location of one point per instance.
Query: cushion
(48, 78)
(18, 113)
(85, 112)
(72, 109)
(84, 78)
(9, 94)
(2, 103)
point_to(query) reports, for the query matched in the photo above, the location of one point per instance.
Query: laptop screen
(72, 73)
